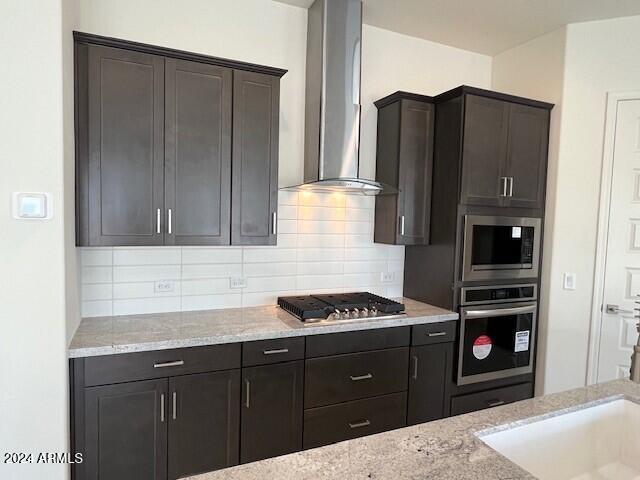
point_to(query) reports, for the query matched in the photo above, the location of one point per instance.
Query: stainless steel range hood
(332, 109)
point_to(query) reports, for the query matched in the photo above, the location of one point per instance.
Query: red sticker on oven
(482, 347)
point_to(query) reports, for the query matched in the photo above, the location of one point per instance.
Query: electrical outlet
(386, 277)
(238, 282)
(165, 286)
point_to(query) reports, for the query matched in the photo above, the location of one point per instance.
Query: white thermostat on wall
(32, 206)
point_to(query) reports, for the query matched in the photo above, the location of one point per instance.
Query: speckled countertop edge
(137, 333)
(447, 449)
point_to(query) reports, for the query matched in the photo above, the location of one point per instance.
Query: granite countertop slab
(447, 449)
(137, 333)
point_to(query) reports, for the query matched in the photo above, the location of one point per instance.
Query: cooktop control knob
(373, 311)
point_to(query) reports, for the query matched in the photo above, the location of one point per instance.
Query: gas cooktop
(340, 307)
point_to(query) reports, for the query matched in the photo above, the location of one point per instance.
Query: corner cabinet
(173, 148)
(404, 161)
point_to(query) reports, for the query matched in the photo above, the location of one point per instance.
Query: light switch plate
(165, 286)
(569, 282)
(238, 282)
(32, 206)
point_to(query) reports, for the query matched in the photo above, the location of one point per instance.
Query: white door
(618, 332)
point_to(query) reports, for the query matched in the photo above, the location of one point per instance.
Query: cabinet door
(430, 369)
(484, 151)
(271, 422)
(527, 156)
(204, 421)
(256, 99)
(125, 147)
(414, 172)
(126, 431)
(197, 153)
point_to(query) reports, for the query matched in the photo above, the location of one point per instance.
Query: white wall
(536, 70)
(271, 33)
(33, 359)
(599, 57)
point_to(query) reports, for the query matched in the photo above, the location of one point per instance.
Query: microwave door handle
(498, 312)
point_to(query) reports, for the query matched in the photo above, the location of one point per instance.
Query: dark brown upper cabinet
(404, 160)
(173, 148)
(504, 152)
(256, 98)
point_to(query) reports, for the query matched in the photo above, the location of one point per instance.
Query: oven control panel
(498, 294)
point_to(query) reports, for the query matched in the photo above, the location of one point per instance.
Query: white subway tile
(319, 291)
(94, 257)
(321, 213)
(394, 291)
(100, 308)
(146, 273)
(146, 256)
(375, 289)
(207, 302)
(97, 274)
(359, 214)
(264, 298)
(207, 286)
(318, 282)
(360, 280)
(321, 254)
(360, 201)
(320, 268)
(287, 198)
(365, 267)
(288, 212)
(320, 227)
(218, 270)
(269, 284)
(363, 254)
(136, 306)
(269, 269)
(287, 240)
(196, 255)
(315, 199)
(97, 291)
(269, 254)
(359, 228)
(358, 241)
(287, 226)
(396, 252)
(323, 241)
(142, 290)
(395, 266)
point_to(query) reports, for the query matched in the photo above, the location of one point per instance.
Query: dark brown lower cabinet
(429, 367)
(126, 431)
(490, 398)
(271, 423)
(203, 417)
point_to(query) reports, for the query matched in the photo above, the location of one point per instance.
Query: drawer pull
(363, 423)
(436, 334)
(247, 402)
(368, 376)
(415, 367)
(275, 352)
(176, 363)
(495, 403)
(175, 401)
(162, 407)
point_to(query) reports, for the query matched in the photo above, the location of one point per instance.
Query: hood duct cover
(332, 108)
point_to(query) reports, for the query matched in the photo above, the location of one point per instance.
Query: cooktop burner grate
(308, 307)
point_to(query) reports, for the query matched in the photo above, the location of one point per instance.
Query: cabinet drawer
(332, 424)
(431, 333)
(490, 398)
(160, 363)
(359, 341)
(353, 376)
(263, 352)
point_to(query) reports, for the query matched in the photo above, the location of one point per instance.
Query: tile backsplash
(325, 244)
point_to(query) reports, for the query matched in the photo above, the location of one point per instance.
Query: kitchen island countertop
(447, 449)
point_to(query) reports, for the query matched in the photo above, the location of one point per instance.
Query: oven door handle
(499, 312)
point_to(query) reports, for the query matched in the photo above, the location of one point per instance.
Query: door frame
(604, 211)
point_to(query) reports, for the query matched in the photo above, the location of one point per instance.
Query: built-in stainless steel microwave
(497, 247)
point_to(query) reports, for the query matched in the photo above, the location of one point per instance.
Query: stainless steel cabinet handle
(415, 367)
(275, 352)
(504, 186)
(402, 225)
(436, 334)
(499, 312)
(274, 223)
(158, 221)
(495, 403)
(363, 423)
(247, 402)
(175, 401)
(169, 222)
(368, 376)
(511, 186)
(175, 363)
(162, 407)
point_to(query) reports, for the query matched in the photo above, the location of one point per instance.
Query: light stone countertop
(447, 449)
(138, 333)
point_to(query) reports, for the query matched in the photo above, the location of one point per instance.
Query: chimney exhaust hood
(332, 108)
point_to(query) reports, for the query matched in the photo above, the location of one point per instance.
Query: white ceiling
(485, 26)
